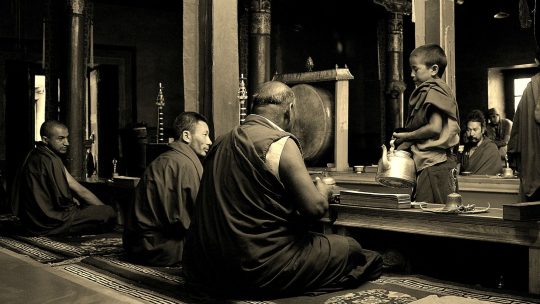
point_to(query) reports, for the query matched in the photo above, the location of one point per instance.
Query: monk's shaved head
(273, 92)
(275, 100)
(48, 126)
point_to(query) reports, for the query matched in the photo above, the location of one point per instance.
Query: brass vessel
(396, 168)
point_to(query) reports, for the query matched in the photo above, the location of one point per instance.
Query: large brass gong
(314, 124)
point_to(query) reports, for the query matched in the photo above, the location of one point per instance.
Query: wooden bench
(488, 227)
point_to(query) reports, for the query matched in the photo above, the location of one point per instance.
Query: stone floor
(23, 280)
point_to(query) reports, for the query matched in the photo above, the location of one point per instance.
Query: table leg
(534, 270)
(340, 230)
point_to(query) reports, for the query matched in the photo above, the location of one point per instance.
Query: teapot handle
(392, 146)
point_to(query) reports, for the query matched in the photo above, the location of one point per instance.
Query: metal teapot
(396, 168)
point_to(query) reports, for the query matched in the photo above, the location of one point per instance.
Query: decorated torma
(160, 102)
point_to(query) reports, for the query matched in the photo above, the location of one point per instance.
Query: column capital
(396, 6)
(261, 6)
(76, 6)
(260, 17)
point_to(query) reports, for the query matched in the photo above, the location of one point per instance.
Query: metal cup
(508, 172)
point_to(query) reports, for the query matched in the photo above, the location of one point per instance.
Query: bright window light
(519, 86)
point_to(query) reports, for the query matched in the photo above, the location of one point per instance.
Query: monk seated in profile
(47, 199)
(160, 213)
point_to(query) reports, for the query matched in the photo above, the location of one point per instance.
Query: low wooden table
(488, 226)
(475, 189)
(112, 193)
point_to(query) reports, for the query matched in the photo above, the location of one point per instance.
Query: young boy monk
(432, 127)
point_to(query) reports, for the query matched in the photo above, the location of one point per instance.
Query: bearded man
(481, 155)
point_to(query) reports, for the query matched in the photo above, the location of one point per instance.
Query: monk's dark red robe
(246, 236)
(524, 143)
(160, 214)
(40, 196)
(486, 159)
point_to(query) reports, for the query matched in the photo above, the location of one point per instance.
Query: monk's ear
(288, 112)
(288, 117)
(434, 70)
(186, 136)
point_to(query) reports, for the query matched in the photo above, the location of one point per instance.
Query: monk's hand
(324, 189)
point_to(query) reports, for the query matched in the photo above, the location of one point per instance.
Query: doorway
(20, 114)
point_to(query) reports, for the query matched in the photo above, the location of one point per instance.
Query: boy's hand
(400, 137)
(404, 146)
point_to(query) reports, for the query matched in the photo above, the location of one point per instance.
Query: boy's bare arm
(430, 130)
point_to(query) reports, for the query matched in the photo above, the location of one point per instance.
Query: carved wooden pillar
(75, 85)
(259, 54)
(438, 30)
(395, 85)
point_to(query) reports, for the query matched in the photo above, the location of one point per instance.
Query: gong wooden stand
(341, 77)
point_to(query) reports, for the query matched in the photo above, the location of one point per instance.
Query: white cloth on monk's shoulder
(274, 155)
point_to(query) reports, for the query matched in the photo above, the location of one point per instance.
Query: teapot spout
(384, 159)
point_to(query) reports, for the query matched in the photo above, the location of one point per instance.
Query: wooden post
(534, 270)
(395, 84)
(434, 23)
(191, 56)
(259, 56)
(341, 136)
(224, 69)
(75, 86)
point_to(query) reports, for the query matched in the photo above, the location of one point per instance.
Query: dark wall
(483, 42)
(154, 30)
(339, 33)
(145, 35)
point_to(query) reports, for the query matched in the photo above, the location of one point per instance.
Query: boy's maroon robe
(433, 95)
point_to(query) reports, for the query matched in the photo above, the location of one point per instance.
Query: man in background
(498, 130)
(47, 199)
(480, 155)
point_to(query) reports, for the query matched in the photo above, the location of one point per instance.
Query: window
(39, 104)
(519, 86)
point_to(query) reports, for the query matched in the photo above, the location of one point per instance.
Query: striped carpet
(99, 259)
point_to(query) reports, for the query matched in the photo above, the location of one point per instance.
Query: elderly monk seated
(481, 155)
(47, 199)
(159, 216)
(250, 233)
